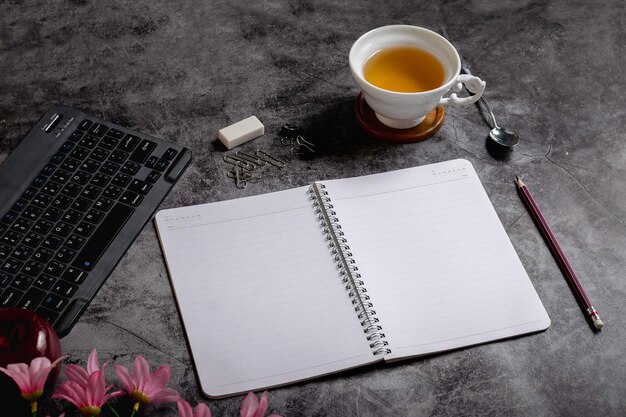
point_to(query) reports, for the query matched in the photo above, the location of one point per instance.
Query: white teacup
(406, 110)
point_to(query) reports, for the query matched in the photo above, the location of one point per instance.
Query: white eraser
(241, 132)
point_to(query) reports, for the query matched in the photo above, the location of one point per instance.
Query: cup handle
(474, 85)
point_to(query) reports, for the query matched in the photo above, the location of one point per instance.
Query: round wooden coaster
(366, 118)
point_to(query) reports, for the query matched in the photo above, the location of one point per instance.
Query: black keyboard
(74, 195)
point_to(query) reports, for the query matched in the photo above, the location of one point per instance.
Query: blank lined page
(436, 261)
(259, 293)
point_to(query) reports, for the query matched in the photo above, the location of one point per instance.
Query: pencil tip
(518, 181)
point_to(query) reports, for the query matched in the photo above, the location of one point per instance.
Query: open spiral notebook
(291, 285)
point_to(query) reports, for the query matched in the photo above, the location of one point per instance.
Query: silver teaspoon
(500, 135)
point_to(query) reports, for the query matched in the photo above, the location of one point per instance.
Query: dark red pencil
(559, 255)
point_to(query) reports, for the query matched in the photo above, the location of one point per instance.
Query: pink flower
(88, 398)
(31, 379)
(251, 407)
(185, 410)
(81, 376)
(144, 387)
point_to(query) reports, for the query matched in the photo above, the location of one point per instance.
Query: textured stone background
(181, 70)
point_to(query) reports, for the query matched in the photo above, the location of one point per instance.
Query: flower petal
(249, 405)
(77, 374)
(39, 363)
(19, 374)
(166, 395)
(141, 372)
(124, 376)
(184, 409)
(202, 410)
(92, 362)
(157, 381)
(260, 411)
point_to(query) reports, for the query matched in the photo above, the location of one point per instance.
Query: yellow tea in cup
(404, 69)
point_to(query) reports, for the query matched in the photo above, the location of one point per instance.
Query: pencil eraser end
(599, 324)
(241, 132)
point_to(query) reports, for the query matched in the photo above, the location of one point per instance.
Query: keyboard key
(130, 198)
(153, 177)
(65, 255)
(52, 242)
(22, 252)
(88, 142)
(84, 229)
(72, 189)
(162, 165)
(61, 176)
(79, 153)
(139, 186)
(131, 168)
(103, 236)
(70, 164)
(55, 268)
(64, 288)
(41, 200)
(143, 151)
(100, 180)
(94, 216)
(31, 212)
(52, 214)
(81, 204)
(76, 135)
(61, 202)
(50, 316)
(9, 217)
(109, 143)
(44, 282)
(12, 237)
(98, 130)
(54, 302)
(10, 297)
(90, 165)
(62, 229)
(31, 299)
(19, 205)
(99, 154)
(42, 255)
(81, 177)
(170, 154)
(48, 169)
(51, 188)
(5, 280)
(5, 250)
(74, 242)
(121, 180)
(119, 156)
(74, 275)
(42, 227)
(11, 266)
(109, 168)
(39, 181)
(152, 161)
(29, 193)
(91, 192)
(32, 239)
(72, 216)
(103, 204)
(114, 133)
(85, 125)
(67, 146)
(22, 225)
(32, 268)
(112, 191)
(129, 143)
(57, 158)
(22, 282)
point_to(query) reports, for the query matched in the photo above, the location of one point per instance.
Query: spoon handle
(465, 70)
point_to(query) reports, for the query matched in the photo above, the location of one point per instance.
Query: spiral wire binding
(348, 271)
